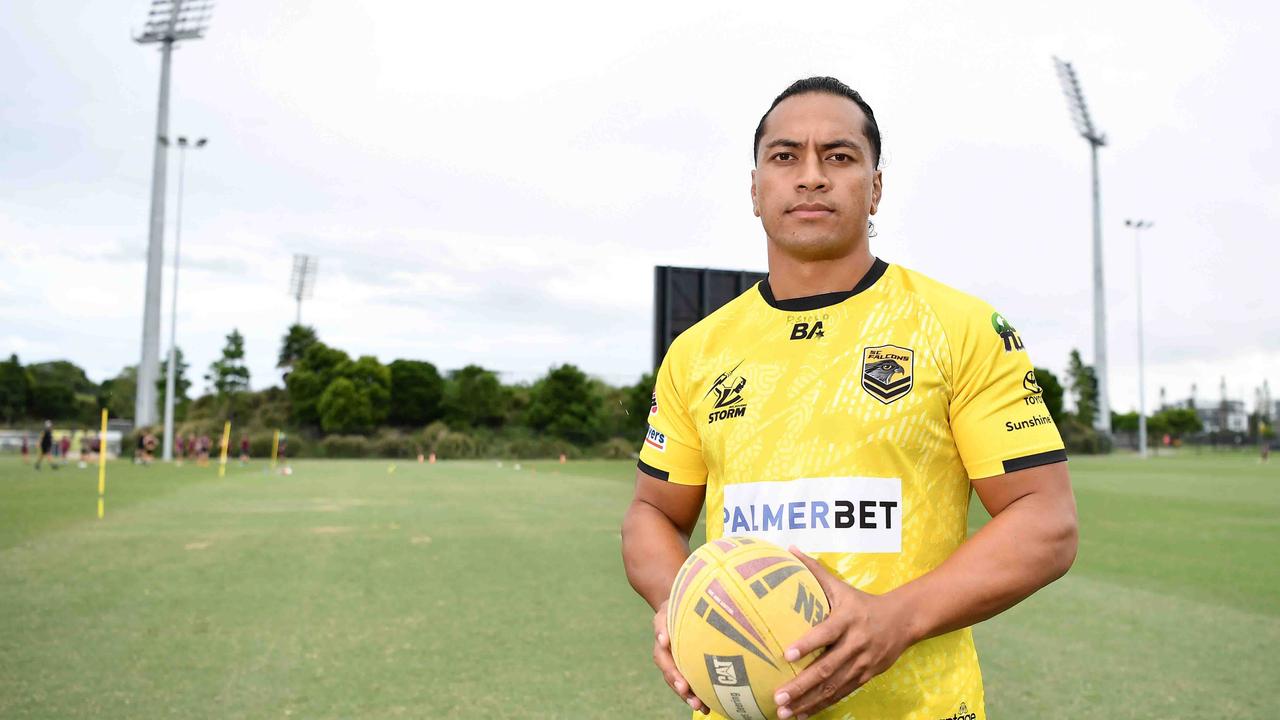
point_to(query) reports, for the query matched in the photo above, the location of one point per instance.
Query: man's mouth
(811, 210)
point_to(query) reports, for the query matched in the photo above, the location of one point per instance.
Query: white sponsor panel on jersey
(831, 514)
(656, 440)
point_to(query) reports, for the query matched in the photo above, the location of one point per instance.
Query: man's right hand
(662, 658)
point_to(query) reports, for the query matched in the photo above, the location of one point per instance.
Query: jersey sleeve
(998, 416)
(672, 450)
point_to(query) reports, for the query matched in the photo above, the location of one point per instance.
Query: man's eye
(840, 157)
(783, 156)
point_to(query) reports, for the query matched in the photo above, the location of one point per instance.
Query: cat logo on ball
(887, 372)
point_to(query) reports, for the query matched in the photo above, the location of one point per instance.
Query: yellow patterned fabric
(850, 425)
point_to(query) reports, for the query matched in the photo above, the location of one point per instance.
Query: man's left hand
(863, 637)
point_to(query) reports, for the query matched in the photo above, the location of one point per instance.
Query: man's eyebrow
(841, 143)
(837, 143)
(784, 142)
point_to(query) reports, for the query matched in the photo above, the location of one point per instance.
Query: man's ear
(877, 185)
(755, 201)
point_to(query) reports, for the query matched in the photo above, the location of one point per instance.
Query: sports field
(472, 590)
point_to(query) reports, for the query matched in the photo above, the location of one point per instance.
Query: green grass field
(468, 590)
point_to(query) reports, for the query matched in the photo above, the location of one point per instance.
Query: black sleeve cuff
(1030, 461)
(654, 472)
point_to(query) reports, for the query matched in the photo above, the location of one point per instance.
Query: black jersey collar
(815, 302)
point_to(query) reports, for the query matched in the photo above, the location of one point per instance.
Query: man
(841, 381)
(46, 446)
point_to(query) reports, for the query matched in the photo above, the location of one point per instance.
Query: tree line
(339, 405)
(335, 404)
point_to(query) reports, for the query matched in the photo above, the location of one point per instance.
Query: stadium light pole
(168, 21)
(171, 374)
(1084, 125)
(302, 281)
(1138, 226)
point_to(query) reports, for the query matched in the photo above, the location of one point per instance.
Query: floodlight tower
(1084, 125)
(1138, 226)
(302, 281)
(172, 373)
(168, 22)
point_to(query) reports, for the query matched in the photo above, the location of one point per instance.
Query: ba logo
(887, 372)
(653, 405)
(728, 395)
(1006, 332)
(805, 331)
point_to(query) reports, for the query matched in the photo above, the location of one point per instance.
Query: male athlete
(865, 400)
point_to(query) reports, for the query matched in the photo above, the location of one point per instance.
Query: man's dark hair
(830, 86)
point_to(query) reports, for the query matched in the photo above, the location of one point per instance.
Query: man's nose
(813, 175)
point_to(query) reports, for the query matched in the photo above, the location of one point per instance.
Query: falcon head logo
(883, 370)
(887, 372)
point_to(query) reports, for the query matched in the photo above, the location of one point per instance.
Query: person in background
(76, 448)
(26, 450)
(244, 449)
(46, 445)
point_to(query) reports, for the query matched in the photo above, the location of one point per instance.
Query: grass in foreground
(469, 590)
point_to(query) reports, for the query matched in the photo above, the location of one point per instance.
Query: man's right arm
(655, 534)
(655, 543)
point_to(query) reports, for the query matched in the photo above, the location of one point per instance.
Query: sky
(493, 183)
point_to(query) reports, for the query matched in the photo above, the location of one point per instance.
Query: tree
(474, 397)
(181, 386)
(310, 377)
(345, 409)
(294, 346)
(53, 401)
(1051, 391)
(1176, 422)
(15, 389)
(117, 394)
(416, 392)
(565, 404)
(1084, 388)
(373, 380)
(228, 375)
(1124, 422)
(64, 373)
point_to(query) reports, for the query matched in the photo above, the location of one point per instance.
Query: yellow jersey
(850, 425)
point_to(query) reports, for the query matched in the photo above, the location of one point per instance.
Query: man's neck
(790, 277)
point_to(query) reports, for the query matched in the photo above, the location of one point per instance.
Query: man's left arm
(1029, 542)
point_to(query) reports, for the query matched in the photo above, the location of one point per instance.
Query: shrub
(616, 449)
(455, 445)
(431, 434)
(345, 446)
(394, 444)
(1082, 439)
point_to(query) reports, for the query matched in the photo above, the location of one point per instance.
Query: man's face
(815, 184)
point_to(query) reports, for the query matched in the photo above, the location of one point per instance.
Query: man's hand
(863, 637)
(662, 658)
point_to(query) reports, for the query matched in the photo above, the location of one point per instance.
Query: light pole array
(167, 22)
(169, 379)
(1138, 226)
(1084, 125)
(302, 281)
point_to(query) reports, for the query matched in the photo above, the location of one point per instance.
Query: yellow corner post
(275, 448)
(226, 439)
(102, 463)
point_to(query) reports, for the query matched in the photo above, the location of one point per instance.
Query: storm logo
(887, 372)
(727, 390)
